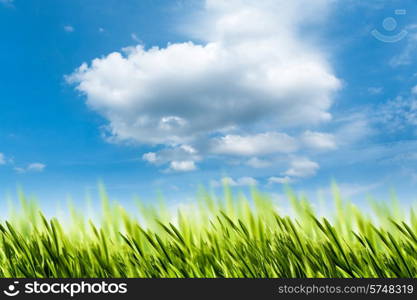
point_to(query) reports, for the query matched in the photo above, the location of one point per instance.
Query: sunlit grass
(229, 236)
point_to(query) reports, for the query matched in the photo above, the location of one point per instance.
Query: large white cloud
(252, 69)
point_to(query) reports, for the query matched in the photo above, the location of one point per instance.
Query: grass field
(227, 237)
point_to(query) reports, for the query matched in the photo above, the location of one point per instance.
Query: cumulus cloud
(33, 167)
(251, 69)
(183, 166)
(2, 159)
(302, 167)
(181, 158)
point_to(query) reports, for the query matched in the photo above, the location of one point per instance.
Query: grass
(230, 237)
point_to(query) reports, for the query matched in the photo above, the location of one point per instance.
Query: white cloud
(319, 140)
(183, 166)
(36, 167)
(2, 159)
(302, 167)
(254, 69)
(279, 180)
(167, 155)
(414, 90)
(250, 145)
(33, 167)
(150, 157)
(68, 28)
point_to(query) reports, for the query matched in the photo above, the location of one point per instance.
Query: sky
(162, 96)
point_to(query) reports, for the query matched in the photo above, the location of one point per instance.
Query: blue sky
(162, 95)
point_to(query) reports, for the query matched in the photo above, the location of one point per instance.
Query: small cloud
(36, 167)
(69, 28)
(279, 180)
(2, 159)
(150, 157)
(375, 90)
(101, 29)
(414, 90)
(302, 167)
(178, 158)
(33, 167)
(182, 166)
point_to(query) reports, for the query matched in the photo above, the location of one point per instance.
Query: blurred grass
(216, 237)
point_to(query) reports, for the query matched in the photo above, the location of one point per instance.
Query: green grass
(227, 237)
